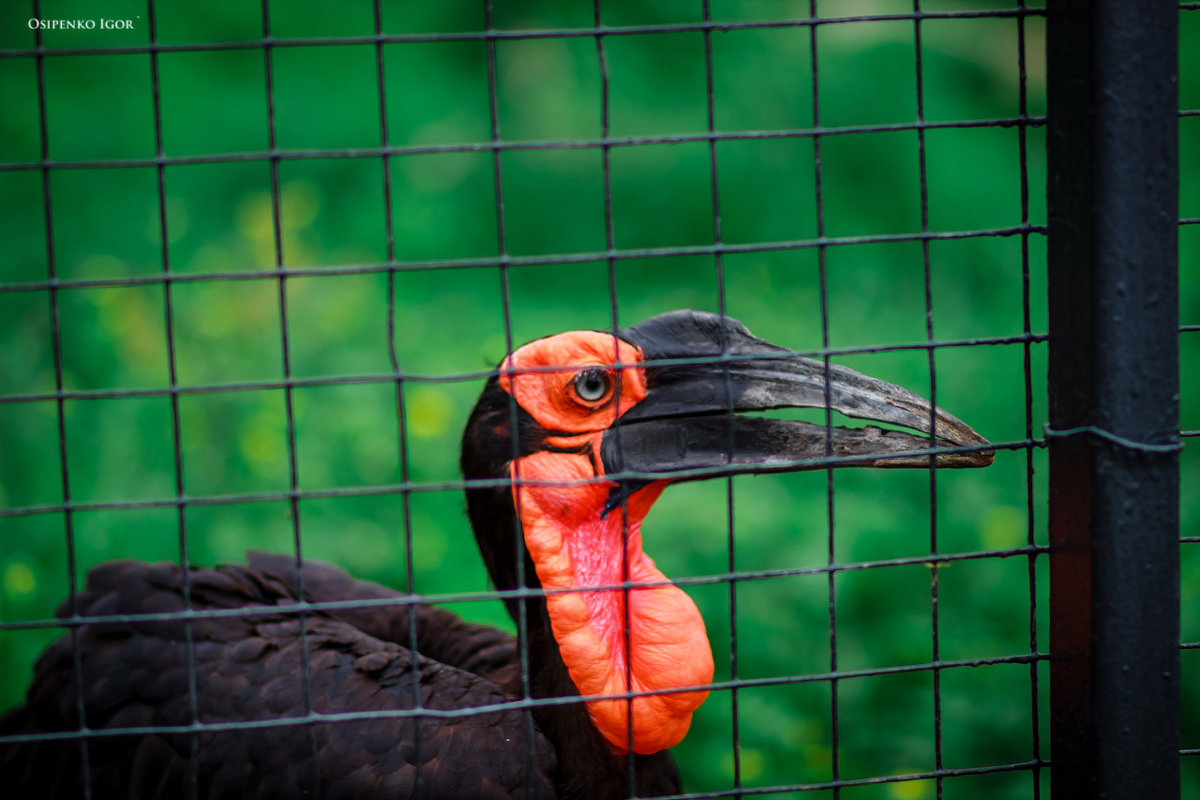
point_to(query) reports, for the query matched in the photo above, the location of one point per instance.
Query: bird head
(576, 436)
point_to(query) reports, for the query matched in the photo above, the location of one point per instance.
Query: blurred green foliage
(104, 224)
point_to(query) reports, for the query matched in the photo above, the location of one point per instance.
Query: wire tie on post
(1131, 444)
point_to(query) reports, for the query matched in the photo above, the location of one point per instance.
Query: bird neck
(621, 627)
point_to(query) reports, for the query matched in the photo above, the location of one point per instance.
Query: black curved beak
(688, 425)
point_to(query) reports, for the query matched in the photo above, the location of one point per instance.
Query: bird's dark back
(247, 683)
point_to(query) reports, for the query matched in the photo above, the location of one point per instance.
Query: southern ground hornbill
(656, 404)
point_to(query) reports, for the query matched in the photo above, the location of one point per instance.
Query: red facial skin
(577, 550)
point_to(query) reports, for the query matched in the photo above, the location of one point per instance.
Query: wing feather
(248, 668)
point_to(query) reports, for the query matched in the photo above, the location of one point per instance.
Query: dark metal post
(1114, 398)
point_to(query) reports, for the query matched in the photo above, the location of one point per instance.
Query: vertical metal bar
(1114, 408)
(75, 631)
(410, 585)
(927, 274)
(288, 397)
(614, 314)
(191, 774)
(522, 616)
(735, 714)
(835, 773)
(1027, 351)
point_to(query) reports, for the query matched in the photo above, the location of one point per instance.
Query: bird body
(279, 680)
(247, 668)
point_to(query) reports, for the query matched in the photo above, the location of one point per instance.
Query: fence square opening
(649, 286)
(777, 279)
(971, 66)
(27, 344)
(885, 725)
(106, 435)
(325, 97)
(346, 435)
(234, 442)
(871, 312)
(213, 101)
(449, 322)
(29, 482)
(786, 615)
(550, 298)
(554, 202)
(227, 331)
(674, 102)
(883, 49)
(144, 534)
(871, 183)
(105, 95)
(337, 325)
(106, 223)
(983, 609)
(351, 18)
(762, 80)
(548, 89)
(758, 206)
(35, 582)
(230, 20)
(661, 196)
(443, 206)
(113, 338)
(220, 218)
(223, 532)
(440, 115)
(365, 535)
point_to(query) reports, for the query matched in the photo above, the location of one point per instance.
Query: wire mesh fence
(1189, 241)
(261, 260)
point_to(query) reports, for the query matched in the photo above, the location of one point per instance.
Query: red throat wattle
(648, 638)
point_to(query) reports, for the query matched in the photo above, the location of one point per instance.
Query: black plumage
(248, 668)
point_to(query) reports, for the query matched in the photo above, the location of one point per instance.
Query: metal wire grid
(503, 263)
(1189, 113)
(1188, 328)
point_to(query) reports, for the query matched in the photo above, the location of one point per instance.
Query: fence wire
(752, 742)
(1189, 113)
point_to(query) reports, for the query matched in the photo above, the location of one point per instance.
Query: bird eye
(592, 385)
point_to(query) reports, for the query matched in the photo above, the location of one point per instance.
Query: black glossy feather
(248, 668)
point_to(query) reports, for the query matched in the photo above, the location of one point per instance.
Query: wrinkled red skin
(577, 550)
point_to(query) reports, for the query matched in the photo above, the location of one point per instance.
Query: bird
(283, 678)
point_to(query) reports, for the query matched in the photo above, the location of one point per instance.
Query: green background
(455, 311)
